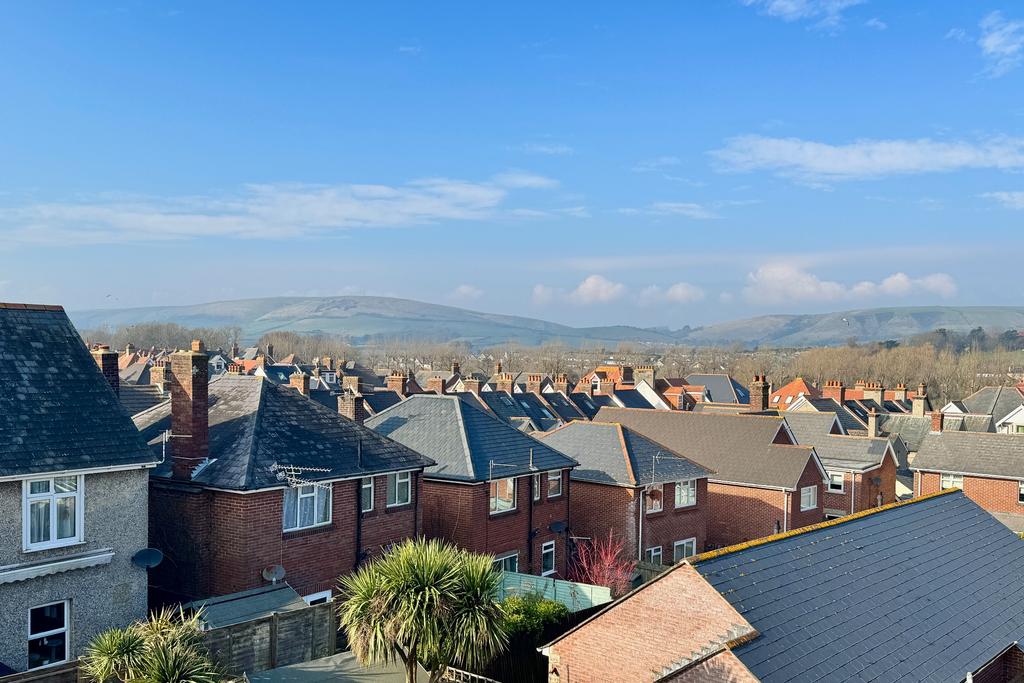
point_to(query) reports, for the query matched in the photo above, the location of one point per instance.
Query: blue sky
(588, 163)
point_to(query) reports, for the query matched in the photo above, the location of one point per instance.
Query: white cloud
(542, 294)
(411, 50)
(876, 23)
(957, 34)
(656, 164)
(545, 148)
(466, 293)
(679, 293)
(267, 211)
(784, 283)
(597, 289)
(1011, 200)
(818, 161)
(1001, 43)
(687, 209)
(826, 13)
(516, 179)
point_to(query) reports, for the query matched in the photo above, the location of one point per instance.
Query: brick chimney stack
(561, 383)
(920, 401)
(350, 383)
(645, 373)
(533, 383)
(129, 349)
(398, 382)
(236, 369)
(472, 385)
(234, 350)
(873, 423)
(270, 352)
(300, 381)
(874, 390)
(834, 389)
(759, 392)
(937, 418)
(435, 385)
(106, 359)
(159, 374)
(328, 363)
(353, 407)
(900, 392)
(456, 368)
(190, 378)
(505, 381)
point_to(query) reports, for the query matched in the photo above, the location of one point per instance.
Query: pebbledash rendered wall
(100, 598)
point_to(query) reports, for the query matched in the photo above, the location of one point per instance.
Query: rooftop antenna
(292, 474)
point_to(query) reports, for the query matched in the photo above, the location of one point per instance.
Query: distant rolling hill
(365, 319)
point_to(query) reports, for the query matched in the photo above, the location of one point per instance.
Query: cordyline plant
(601, 562)
(166, 648)
(424, 603)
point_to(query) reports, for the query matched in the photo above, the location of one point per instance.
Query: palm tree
(424, 603)
(166, 648)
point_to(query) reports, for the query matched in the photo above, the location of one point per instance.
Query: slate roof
(911, 428)
(250, 605)
(135, 373)
(830, 405)
(138, 397)
(379, 401)
(612, 454)
(510, 407)
(995, 401)
(631, 398)
(968, 423)
(738, 448)
(57, 412)
(721, 388)
(998, 455)
(463, 440)
(850, 452)
(589, 405)
(560, 403)
(255, 423)
(925, 590)
(808, 426)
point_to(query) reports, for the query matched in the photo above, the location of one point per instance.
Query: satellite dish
(147, 558)
(273, 573)
(558, 527)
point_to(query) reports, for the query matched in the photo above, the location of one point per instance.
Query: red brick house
(648, 496)
(258, 476)
(988, 467)
(493, 488)
(761, 482)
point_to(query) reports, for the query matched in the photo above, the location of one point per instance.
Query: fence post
(273, 640)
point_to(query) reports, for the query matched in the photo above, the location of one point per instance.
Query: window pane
(548, 559)
(306, 505)
(43, 619)
(323, 505)
(366, 495)
(39, 486)
(290, 508)
(554, 484)
(47, 650)
(66, 517)
(65, 484)
(39, 521)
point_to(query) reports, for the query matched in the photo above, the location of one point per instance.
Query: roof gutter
(86, 470)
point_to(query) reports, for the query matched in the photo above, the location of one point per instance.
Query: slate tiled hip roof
(738, 448)
(926, 590)
(995, 401)
(464, 440)
(612, 454)
(982, 453)
(57, 412)
(836, 451)
(721, 388)
(255, 423)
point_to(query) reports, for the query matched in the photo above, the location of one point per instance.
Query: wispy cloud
(810, 161)
(556, 149)
(411, 50)
(679, 293)
(1001, 43)
(656, 164)
(267, 211)
(876, 23)
(783, 283)
(1011, 200)
(827, 14)
(685, 209)
(466, 293)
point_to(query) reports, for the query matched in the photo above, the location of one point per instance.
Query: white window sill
(688, 505)
(549, 573)
(803, 509)
(307, 528)
(52, 546)
(399, 505)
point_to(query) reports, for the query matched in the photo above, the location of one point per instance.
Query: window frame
(558, 478)
(545, 548)
(492, 495)
(319, 598)
(52, 496)
(328, 491)
(66, 630)
(692, 541)
(842, 482)
(501, 559)
(661, 499)
(395, 478)
(952, 479)
(805, 489)
(649, 554)
(362, 487)
(537, 482)
(1020, 492)
(688, 483)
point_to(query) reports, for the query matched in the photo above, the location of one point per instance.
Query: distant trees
(161, 336)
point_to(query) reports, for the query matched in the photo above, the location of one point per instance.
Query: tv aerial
(293, 475)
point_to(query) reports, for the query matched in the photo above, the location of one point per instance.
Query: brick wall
(811, 476)
(994, 495)
(460, 513)
(742, 513)
(597, 509)
(862, 486)
(671, 524)
(218, 543)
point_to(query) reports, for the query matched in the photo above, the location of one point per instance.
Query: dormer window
(52, 512)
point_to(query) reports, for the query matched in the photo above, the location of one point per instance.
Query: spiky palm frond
(115, 655)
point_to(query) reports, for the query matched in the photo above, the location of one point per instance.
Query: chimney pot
(189, 412)
(107, 360)
(300, 381)
(197, 346)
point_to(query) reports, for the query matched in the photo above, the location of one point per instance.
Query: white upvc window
(654, 495)
(951, 481)
(653, 555)
(366, 494)
(683, 549)
(1020, 491)
(536, 486)
(554, 484)
(808, 498)
(836, 482)
(53, 512)
(503, 495)
(686, 493)
(48, 634)
(307, 506)
(507, 563)
(547, 559)
(399, 489)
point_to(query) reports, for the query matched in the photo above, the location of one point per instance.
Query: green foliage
(424, 602)
(531, 613)
(166, 648)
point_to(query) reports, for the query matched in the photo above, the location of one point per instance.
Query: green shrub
(531, 613)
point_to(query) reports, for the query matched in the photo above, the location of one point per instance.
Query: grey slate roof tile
(721, 388)
(995, 401)
(255, 423)
(464, 441)
(57, 412)
(1000, 455)
(830, 405)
